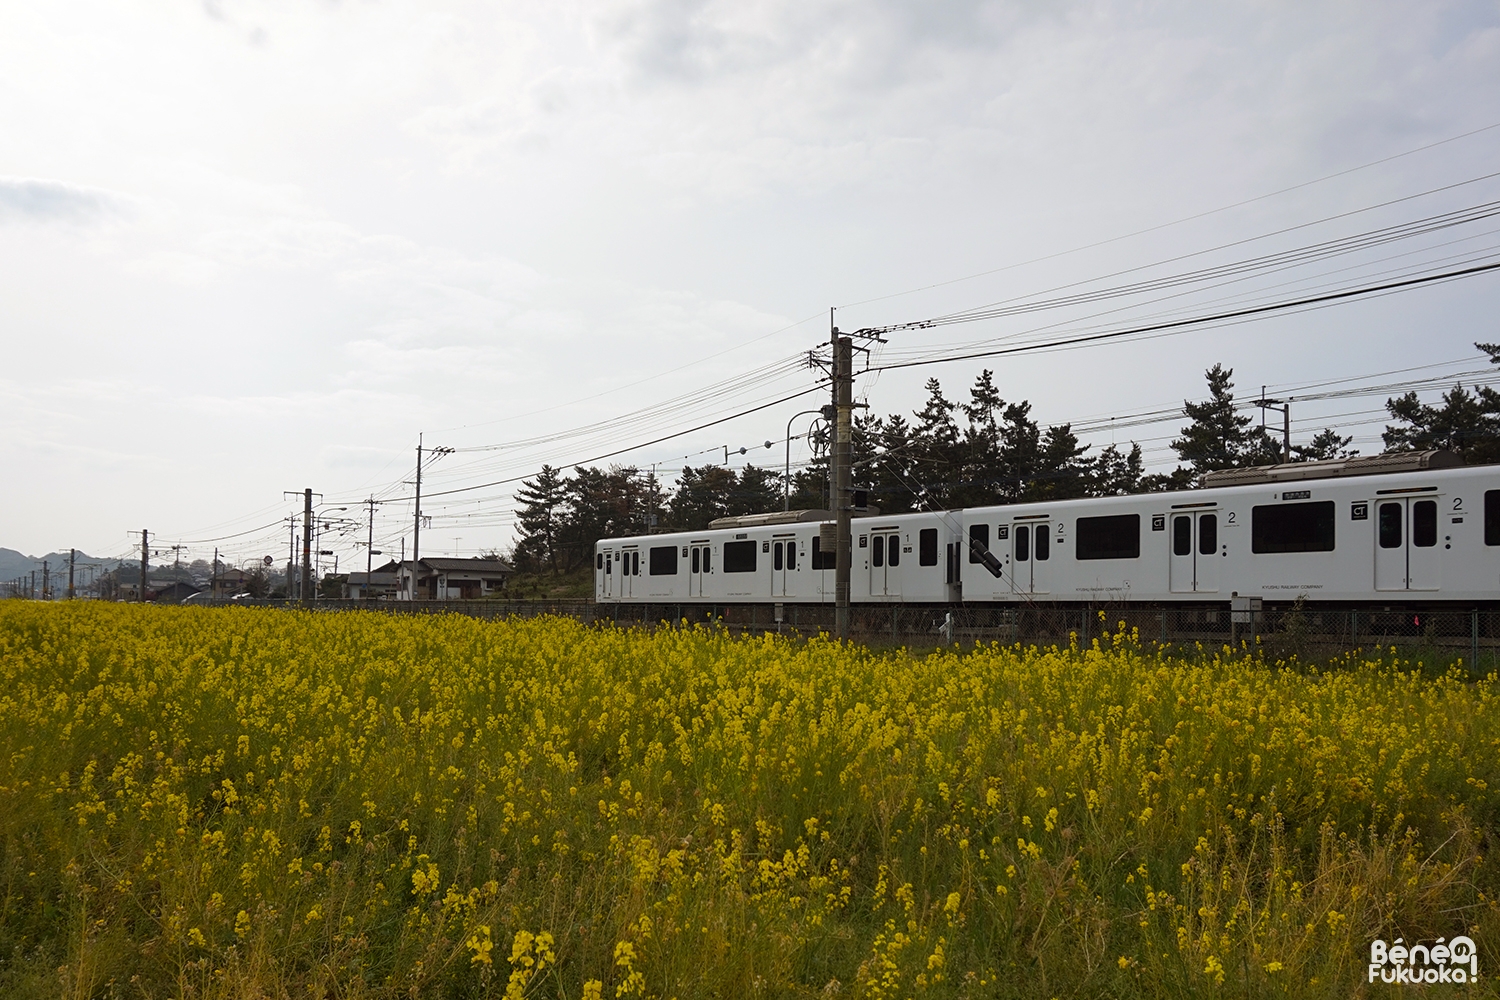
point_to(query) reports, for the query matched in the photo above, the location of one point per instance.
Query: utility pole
(307, 529)
(145, 561)
(46, 583)
(416, 529)
(843, 401)
(72, 557)
(369, 548)
(213, 582)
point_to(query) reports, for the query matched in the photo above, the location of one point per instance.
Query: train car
(1360, 530)
(779, 558)
(1415, 526)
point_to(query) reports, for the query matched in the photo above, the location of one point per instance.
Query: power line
(1245, 267)
(1201, 320)
(1178, 222)
(633, 447)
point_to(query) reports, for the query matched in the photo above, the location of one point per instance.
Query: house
(378, 584)
(174, 593)
(441, 579)
(229, 582)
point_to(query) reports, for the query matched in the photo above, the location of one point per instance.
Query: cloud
(35, 200)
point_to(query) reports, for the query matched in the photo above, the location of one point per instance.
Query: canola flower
(244, 802)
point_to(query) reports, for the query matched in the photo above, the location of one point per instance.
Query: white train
(1410, 526)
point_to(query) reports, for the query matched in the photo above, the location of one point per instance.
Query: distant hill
(15, 564)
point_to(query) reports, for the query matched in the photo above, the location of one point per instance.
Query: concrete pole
(307, 530)
(843, 381)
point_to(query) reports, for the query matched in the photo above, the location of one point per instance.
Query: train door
(630, 569)
(1031, 558)
(885, 563)
(1406, 549)
(783, 563)
(1195, 553)
(609, 572)
(697, 568)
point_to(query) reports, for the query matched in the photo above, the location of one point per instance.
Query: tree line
(962, 453)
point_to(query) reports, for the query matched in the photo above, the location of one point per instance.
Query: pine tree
(1113, 474)
(542, 506)
(895, 475)
(1061, 471)
(1468, 423)
(702, 495)
(1326, 445)
(758, 491)
(936, 459)
(1219, 436)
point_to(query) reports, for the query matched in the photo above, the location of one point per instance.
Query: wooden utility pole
(307, 529)
(145, 560)
(72, 557)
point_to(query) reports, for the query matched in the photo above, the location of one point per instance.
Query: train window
(695, 558)
(1492, 517)
(927, 547)
(635, 564)
(821, 559)
(662, 561)
(1424, 524)
(1115, 537)
(739, 557)
(791, 555)
(708, 552)
(1182, 535)
(1292, 527)
(598, 560)
(1043, 543)
(980, 533)
(1208, 534)
(877, 555)
(1023, 543)
(1388, 520)
(894, 544)
(777, 560)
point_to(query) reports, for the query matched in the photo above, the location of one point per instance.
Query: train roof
(1359, 465)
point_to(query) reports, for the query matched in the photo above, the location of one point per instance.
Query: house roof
(376, 578)
(443, 565)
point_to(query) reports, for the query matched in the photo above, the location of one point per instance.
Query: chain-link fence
(1434, 633)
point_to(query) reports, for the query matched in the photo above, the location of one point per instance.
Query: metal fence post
(1474, 642)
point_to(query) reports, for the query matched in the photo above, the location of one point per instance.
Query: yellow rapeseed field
(246, 803)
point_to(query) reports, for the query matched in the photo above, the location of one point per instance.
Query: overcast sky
(248, 247)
